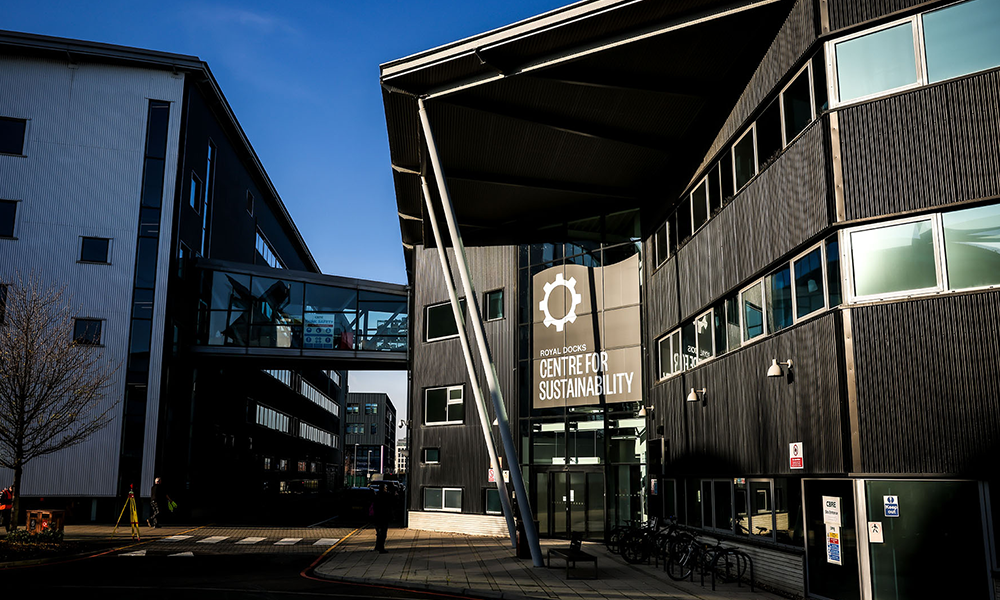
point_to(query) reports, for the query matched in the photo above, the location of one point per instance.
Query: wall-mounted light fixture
(496, 422)
(645, 410)
(405, 423)
(696, 395)
(775, 369)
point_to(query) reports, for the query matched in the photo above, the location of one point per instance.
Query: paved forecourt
(486, 567)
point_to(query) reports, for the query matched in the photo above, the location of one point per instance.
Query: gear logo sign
(576, 299)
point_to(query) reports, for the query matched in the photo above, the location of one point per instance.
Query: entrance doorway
(570, 502)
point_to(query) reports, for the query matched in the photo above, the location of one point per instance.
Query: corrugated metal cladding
(792, 41)
(386, 433)
(483, 525)
(928, 377)
(845, 13)
(661, 306)
(777, 212)
(747, 420)
(82, 176)
(463, 453)
(894, 162)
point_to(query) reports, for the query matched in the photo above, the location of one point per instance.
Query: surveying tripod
(133, 516)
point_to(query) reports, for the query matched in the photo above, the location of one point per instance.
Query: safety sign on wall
(875, 532)
(831, 510)
(833, 554)
(891, 505)
(795, 455)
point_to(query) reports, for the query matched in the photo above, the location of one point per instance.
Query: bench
(573, 555)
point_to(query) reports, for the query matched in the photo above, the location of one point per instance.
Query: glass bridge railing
(252, 311)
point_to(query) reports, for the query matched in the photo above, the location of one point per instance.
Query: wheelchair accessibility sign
(891, 505)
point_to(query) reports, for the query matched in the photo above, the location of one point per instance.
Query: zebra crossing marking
(287, 541)
(176, 538)
(326, 541)
(251, 540)
(136, 553)
(215, 539)
(182, 554)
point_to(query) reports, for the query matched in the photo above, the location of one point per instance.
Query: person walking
(383, 510)
(156, 495)
(6, 505)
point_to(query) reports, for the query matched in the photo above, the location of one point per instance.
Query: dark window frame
(424, 456)
(24, 136)
(427, 324)
(487, 305)
(447, 401)
(13, 222)
(107, 250)
(80, 339)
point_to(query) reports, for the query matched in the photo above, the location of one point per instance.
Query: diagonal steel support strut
(510, 450)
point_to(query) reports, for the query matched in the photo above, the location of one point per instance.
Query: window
(972, 245)
(889, 259)
(353, 409)
(961, 39)
(315, 434)
(779, 300)
(797, 105)
(374, 428)
(441, 321)
(808, 274)
(3, 302)
(494, 305)
(356, 428)
(371, 408)
(272, 419)
(447, 499)
(761, 517)
(94, 250)
(717, 504)
(87, 332)
(432, 456)
(876, 62)
(699, 205)
(194, 198)
(768, 132)
(267, 253)
(444, 406)
(753, 311)
(833, 270)
(8, 208)
(493, 506)
(12, 135)
(669, 354)
(682, 221)
(207, 197)
(662, 250)
(250, 202)
(744, 159)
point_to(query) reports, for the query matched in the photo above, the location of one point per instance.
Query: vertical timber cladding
(928, 377)
(586, 335)
(950, 154)
(464, 461)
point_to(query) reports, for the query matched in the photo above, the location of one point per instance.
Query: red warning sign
(795, 455)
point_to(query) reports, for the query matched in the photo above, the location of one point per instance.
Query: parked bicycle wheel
(635, 547)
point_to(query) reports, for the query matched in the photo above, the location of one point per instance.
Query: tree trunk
(17, 496)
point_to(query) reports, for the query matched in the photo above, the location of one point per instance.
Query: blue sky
(302, 78)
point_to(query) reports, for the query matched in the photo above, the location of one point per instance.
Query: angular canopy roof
(597, 107)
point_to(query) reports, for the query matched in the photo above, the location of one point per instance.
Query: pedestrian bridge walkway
(295, 317)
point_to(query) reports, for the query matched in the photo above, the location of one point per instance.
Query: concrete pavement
(486, 567)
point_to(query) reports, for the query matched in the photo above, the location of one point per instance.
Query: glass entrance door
(576, 504)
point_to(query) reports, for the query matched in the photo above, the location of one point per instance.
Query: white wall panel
(82, 175)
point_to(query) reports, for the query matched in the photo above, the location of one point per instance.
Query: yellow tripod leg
(119, 519)
(135, 518)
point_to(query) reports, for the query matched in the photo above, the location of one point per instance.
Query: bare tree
(52, 387)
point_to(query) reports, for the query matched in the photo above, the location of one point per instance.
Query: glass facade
(893, 258)
(253, 311)
(961, 39)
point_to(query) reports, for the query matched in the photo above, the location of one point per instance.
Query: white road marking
(182, 554)
(136, 553)
(287, 541)
(215, 539)
(250, 540)
(176, 538)
(326, 541)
